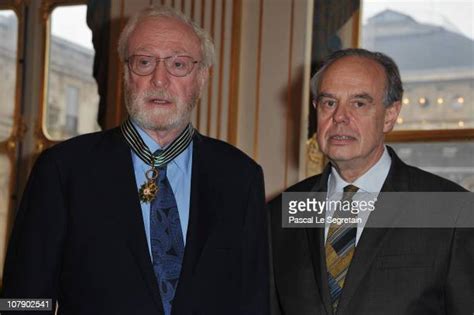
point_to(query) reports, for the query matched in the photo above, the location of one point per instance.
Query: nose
(341, 114)
(160, 76)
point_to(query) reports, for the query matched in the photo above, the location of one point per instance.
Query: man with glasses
(151, 217)
(405, 264)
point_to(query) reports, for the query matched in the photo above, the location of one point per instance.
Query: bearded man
(150, 217)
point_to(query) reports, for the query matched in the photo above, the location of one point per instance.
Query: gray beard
(147, 119)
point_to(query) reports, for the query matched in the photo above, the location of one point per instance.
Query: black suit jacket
(79, 234)
(393, 271)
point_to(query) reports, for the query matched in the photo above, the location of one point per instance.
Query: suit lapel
(316, 245)
(201, 221)
(372, 239)
(201, 215)
(128, 211)
(369, 244)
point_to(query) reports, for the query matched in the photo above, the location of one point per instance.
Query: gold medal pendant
(149, 189)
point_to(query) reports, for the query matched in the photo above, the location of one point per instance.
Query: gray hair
(393, 85)
(207, 45)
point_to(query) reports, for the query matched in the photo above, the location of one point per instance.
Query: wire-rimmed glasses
(178, 66)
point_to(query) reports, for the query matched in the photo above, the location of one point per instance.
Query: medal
(149, 189)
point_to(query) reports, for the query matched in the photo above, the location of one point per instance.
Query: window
(8, 64)
(72, 104)
(451, 160)
(9, 25)
(72, 99)
(432, 41)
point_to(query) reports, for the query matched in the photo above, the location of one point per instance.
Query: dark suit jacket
(393, 271)
(79, 235)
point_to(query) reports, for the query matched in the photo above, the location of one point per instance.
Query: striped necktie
(340, 246)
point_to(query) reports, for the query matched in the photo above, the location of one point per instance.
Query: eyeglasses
(178, 66)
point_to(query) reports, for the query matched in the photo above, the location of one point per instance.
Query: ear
(126, 74)
(391, 115)
(203, 77)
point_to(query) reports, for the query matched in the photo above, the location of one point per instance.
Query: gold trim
(19, 130)
(221, 70)
(356, 23)
(289, 94)
(9, 146)
(39, 129)
(49, 5)
(430, 135)
(199, 104)
(316, 160)
(258, 79)
(4, 148)
(211, 74)
(234, 72)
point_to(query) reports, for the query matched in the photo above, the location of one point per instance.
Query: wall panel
(274, 89)
(274, 70)
(250, 72)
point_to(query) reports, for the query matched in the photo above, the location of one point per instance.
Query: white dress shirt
(370, 182)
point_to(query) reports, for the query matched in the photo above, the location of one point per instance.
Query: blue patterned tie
(167, 246)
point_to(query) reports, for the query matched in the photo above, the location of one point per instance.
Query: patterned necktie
(167, 246)
(340, 246)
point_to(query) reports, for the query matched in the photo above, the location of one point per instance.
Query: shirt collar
(181, 161)
(370, 181)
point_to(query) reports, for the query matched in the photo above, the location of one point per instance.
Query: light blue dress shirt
(178, 172)
(370, 182)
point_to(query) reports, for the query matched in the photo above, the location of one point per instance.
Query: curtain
(329, 16)
(98, 20)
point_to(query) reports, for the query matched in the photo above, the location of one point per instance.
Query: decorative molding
(47, 6)
(430, 135)
(210, 86)
(19, 130)
(356, 26)
(315, 158)
(289, 96)
(234, 72)
(9, 146)
(258, 76)
(221, 69)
